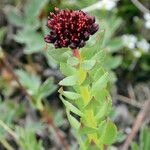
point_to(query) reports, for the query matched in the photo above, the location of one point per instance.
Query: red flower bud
(70, 28)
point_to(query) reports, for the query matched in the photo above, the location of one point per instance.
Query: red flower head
(70, 28)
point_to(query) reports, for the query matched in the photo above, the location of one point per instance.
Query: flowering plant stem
(88, 97)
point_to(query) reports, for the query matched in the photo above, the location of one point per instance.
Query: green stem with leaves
(87, 97)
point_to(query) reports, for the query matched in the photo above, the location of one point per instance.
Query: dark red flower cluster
(70, 28)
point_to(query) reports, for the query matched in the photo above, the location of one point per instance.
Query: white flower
(102, 4)
(147, 20)
(107, 4)
(137, 54)
(143, 45)
(147, 16)
(129, 41)
(147, 24)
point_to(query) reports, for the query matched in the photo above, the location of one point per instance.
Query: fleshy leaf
(88, 130)
(82, 75)
(59, 54)
(108, 132)
(75, 124)
(71, 95)
(71, 107)
(100, 83)
(105, 108)
(115, 44)
(88, 64)
(66, 69)
(85, 94)
(69, 81)
(73, 61)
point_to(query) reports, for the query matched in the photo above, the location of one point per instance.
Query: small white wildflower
(100, 5)
(137, 54)
(103, 4)
(147, 20)
(129, 41)
(107, 4)
(147, 24)
(147, 16)
(143, 45)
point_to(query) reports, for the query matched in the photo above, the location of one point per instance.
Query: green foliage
(26, 80)
(32, 12)
(33, 40)
(29, 22)
(38, 90)
(75, 124)
(60, 55)
(46, 89)
(2, 33)
(144, 140)
(71, 107)
(89, 98)
(23, 136)
(69, 81)
(30, 18)
(85, 87)
(101, 82)
(26, 136)
(108, 132)
(9, 111)
(71, 95)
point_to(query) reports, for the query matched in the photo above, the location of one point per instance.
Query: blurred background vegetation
(29, 75)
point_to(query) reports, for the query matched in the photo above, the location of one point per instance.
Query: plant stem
(9, 130)
(89, 119)
(6, 144)
(76, 53)
(140, 6)
(137, 124)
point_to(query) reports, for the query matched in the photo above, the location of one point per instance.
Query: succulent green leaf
(69, 81)
(58, 55)
(71, 107)
(103, 110)
(108, 132)
(115, 44)
(66, 69)
(99, 56)
(86, 95)
(94, 47)
(82, 75)
(71, 95)
(75, 124)
(112, 62)
(88, 64)
(100, 83)
(87, 130)
(73, 61)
